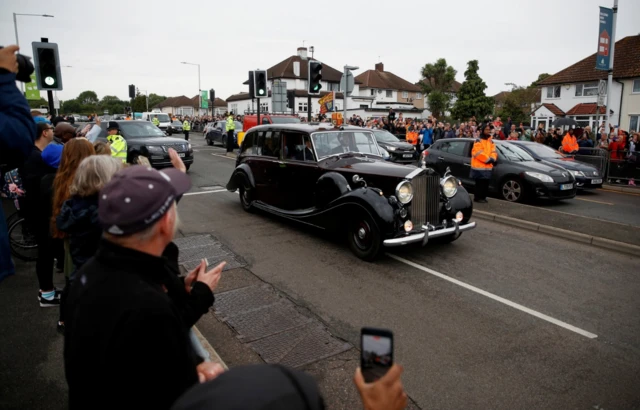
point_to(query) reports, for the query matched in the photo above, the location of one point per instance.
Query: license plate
(407, 156)
(564, 187)
(181, 154)
(596, 181)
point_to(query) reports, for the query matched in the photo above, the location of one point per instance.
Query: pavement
(502, 318)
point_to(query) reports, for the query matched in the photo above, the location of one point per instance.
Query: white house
(188, 106)
(293, 72)
(573, 92)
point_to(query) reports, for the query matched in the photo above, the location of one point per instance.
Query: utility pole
(610, 72)
(308, 107)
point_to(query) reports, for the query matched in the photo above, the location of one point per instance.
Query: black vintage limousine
(336, 179)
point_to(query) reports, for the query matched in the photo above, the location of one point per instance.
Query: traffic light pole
(308, 107)
(258, 112)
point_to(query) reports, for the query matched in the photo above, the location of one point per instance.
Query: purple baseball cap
(138, 196)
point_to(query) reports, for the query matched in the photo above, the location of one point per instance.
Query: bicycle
(22, 242)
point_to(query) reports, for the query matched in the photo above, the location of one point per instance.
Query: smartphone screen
(376, 346)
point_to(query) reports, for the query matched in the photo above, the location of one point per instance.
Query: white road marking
(205, 192)
(497, 298)
(224, 156)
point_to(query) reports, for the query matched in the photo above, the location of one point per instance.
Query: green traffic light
(316, 88)
(261, 92)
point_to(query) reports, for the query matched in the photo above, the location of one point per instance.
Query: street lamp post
(146, 93)
(15, 27)
(199, 90)
(56, 91)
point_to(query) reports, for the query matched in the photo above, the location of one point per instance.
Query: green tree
(437, 85)
(140, 103)
(472, 100)
(518, 103)
(540, 78)
(87, 98)
(155, 99)
(111, 103)
(38, 103)
(72, 106)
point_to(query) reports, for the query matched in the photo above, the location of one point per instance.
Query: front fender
(364, 200)
(462, 202)
(241, 176)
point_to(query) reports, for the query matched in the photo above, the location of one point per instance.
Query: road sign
(279, 96)
(32, 92)
(347, 84)
(56, 102)
(605, 33)
(204, 99)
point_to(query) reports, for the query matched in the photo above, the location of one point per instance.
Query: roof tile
(586, 109)
(626, 65)
(385, 80)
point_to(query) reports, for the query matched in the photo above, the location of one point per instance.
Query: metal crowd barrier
(623, 167)
(597, 157)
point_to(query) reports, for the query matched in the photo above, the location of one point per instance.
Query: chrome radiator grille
(425, 206)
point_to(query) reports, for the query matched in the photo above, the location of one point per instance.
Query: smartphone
(376, 357)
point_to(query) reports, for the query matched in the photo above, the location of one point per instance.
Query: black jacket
(126, 341)
(79, 219)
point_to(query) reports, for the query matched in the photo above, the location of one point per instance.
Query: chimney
(296, 68)
(379, 67)
(302, 52)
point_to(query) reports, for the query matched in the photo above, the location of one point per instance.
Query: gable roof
(586, 109)
(219, 102)
(385, 80)
(180, 101)
(284, 69)
(626, 65)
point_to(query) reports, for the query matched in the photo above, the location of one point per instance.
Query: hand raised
(212, 277)
(386, 393)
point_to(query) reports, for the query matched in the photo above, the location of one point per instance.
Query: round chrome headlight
(449, 186)
(404, 192)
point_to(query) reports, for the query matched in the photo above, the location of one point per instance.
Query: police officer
(117, 142)
(483, 156)
(155, 121)
(231, 127)
(186, 127)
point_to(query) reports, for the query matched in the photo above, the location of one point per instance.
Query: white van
(164, 119)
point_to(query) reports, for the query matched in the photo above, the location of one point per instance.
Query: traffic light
(291, 98)
(132, 91)
(212, 95)
(260, 85)
(315, 76)
(47, 64)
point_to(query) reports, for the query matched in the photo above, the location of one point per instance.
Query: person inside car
(346, 144)
(307, 153)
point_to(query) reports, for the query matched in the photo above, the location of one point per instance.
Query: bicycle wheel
(11, 219)
(23, 243)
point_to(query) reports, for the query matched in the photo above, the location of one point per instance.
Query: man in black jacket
(127, 330)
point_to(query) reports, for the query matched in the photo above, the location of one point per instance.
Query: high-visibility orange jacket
(412, 138)
(482, 153)
(569, 143)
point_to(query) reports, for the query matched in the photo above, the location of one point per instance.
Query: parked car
(218, 133)
(516, 177)
(251, 120)
(175, 127)
(587, 176)
(336, 179)
(144, 138)
(399, 151)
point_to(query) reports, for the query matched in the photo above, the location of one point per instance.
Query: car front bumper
(428, 233)
(553, 191)
(399, 157)
(588, 183)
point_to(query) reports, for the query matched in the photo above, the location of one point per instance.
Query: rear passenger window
(270, 143)
(453, 147)
(248, 144)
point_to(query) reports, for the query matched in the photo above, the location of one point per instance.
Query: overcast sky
(111, 44)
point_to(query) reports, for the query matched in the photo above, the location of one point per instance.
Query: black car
(144, 138)
(336, 179)
(174, 128)
(517, 176)
(218, 133)
(587, 176)
(399, 151)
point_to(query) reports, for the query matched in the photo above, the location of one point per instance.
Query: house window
(389, 93)
(333, 87)
(405, 94)
(373, 92)
(234, 108)
(553, 92)
(364, 106)
(302, 107)
(634, 123)
(418, 96)
(583, 121)
(264, 107)
(586, 90)
(636, 86)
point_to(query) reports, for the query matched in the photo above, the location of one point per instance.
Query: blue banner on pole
(605, 31)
